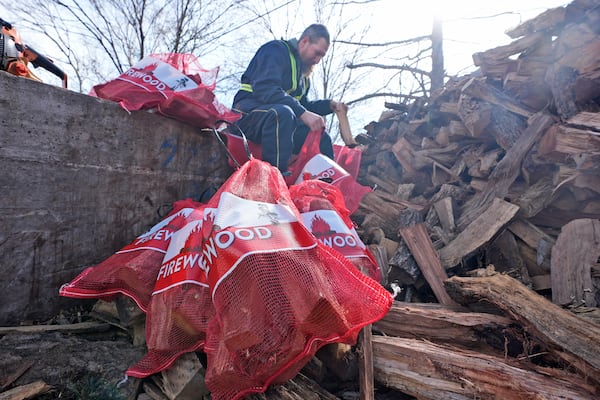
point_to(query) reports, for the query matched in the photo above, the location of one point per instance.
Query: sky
(469, 26)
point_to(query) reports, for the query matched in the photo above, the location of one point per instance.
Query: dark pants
(279, 132)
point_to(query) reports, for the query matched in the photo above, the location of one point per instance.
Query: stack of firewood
(497, 172)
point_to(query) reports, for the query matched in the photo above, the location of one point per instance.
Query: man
(275, 110)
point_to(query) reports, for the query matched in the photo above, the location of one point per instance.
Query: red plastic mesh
(181, 307)
(132, 270)
(324, 212)
(278, 300)
(185, 91)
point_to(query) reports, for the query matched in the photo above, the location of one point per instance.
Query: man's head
(312, 45)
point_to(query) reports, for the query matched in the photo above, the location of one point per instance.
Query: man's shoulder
(274, 45)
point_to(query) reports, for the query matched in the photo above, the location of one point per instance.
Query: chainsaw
(15, 56)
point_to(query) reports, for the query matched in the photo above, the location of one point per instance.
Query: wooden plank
(574, 340)
(365, 364)
(430, 371)
(81, 327)
(479, 232)
(418, 241)
(576, 250)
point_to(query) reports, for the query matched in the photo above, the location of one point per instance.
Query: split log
(480, 90)
(417, 239)
(24, 392)
(430, 371)
(576, 250)
(548, 20)
(561, 141)
(439, 323)
(570, 338)
(479, 232)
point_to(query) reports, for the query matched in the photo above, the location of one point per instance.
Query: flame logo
(193, 243)
(319, 227)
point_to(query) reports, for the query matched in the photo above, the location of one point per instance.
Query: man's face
(311, 53)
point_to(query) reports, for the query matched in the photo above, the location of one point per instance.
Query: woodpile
(487, 202)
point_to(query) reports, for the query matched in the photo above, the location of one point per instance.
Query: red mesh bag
(174, 85)
(325, 214)
(311, 164)
(181, 306)
(278, 294)
(132, 270)
(348, 158)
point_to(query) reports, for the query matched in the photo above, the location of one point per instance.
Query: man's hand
(314, 121)
(338, 107)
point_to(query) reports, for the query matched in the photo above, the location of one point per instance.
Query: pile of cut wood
(496, 175)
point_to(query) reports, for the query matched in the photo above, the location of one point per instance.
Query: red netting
(132, 270)
(324, 212)
(277, 292)
(173, 84)
(313, 165)
(181, 306)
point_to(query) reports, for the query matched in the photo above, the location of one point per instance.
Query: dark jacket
(269, 77)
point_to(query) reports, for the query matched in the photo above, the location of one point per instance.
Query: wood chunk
(475, 114)
(586, 119)
(184, 380)
(340, 359)
(480, 90)
(576, 250)
(567, 140)
(419, 243)
(533, 237)
(506, 171)
(536, 197)
(503, 52)
(431, 371)
(504, 254)
(479, 232)
(541, 282)
(567, 336)
(546, 21)
(445, 212)
(24, 392)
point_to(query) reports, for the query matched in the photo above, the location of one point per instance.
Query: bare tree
(99, 39)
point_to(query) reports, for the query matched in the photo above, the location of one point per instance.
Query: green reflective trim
(246, 87)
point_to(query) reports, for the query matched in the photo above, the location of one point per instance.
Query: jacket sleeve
(272, 62)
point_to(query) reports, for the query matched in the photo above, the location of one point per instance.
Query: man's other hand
(314, 121)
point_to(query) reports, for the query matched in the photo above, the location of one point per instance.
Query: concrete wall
(80, 178)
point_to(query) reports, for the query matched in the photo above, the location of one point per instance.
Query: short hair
(314, 32)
